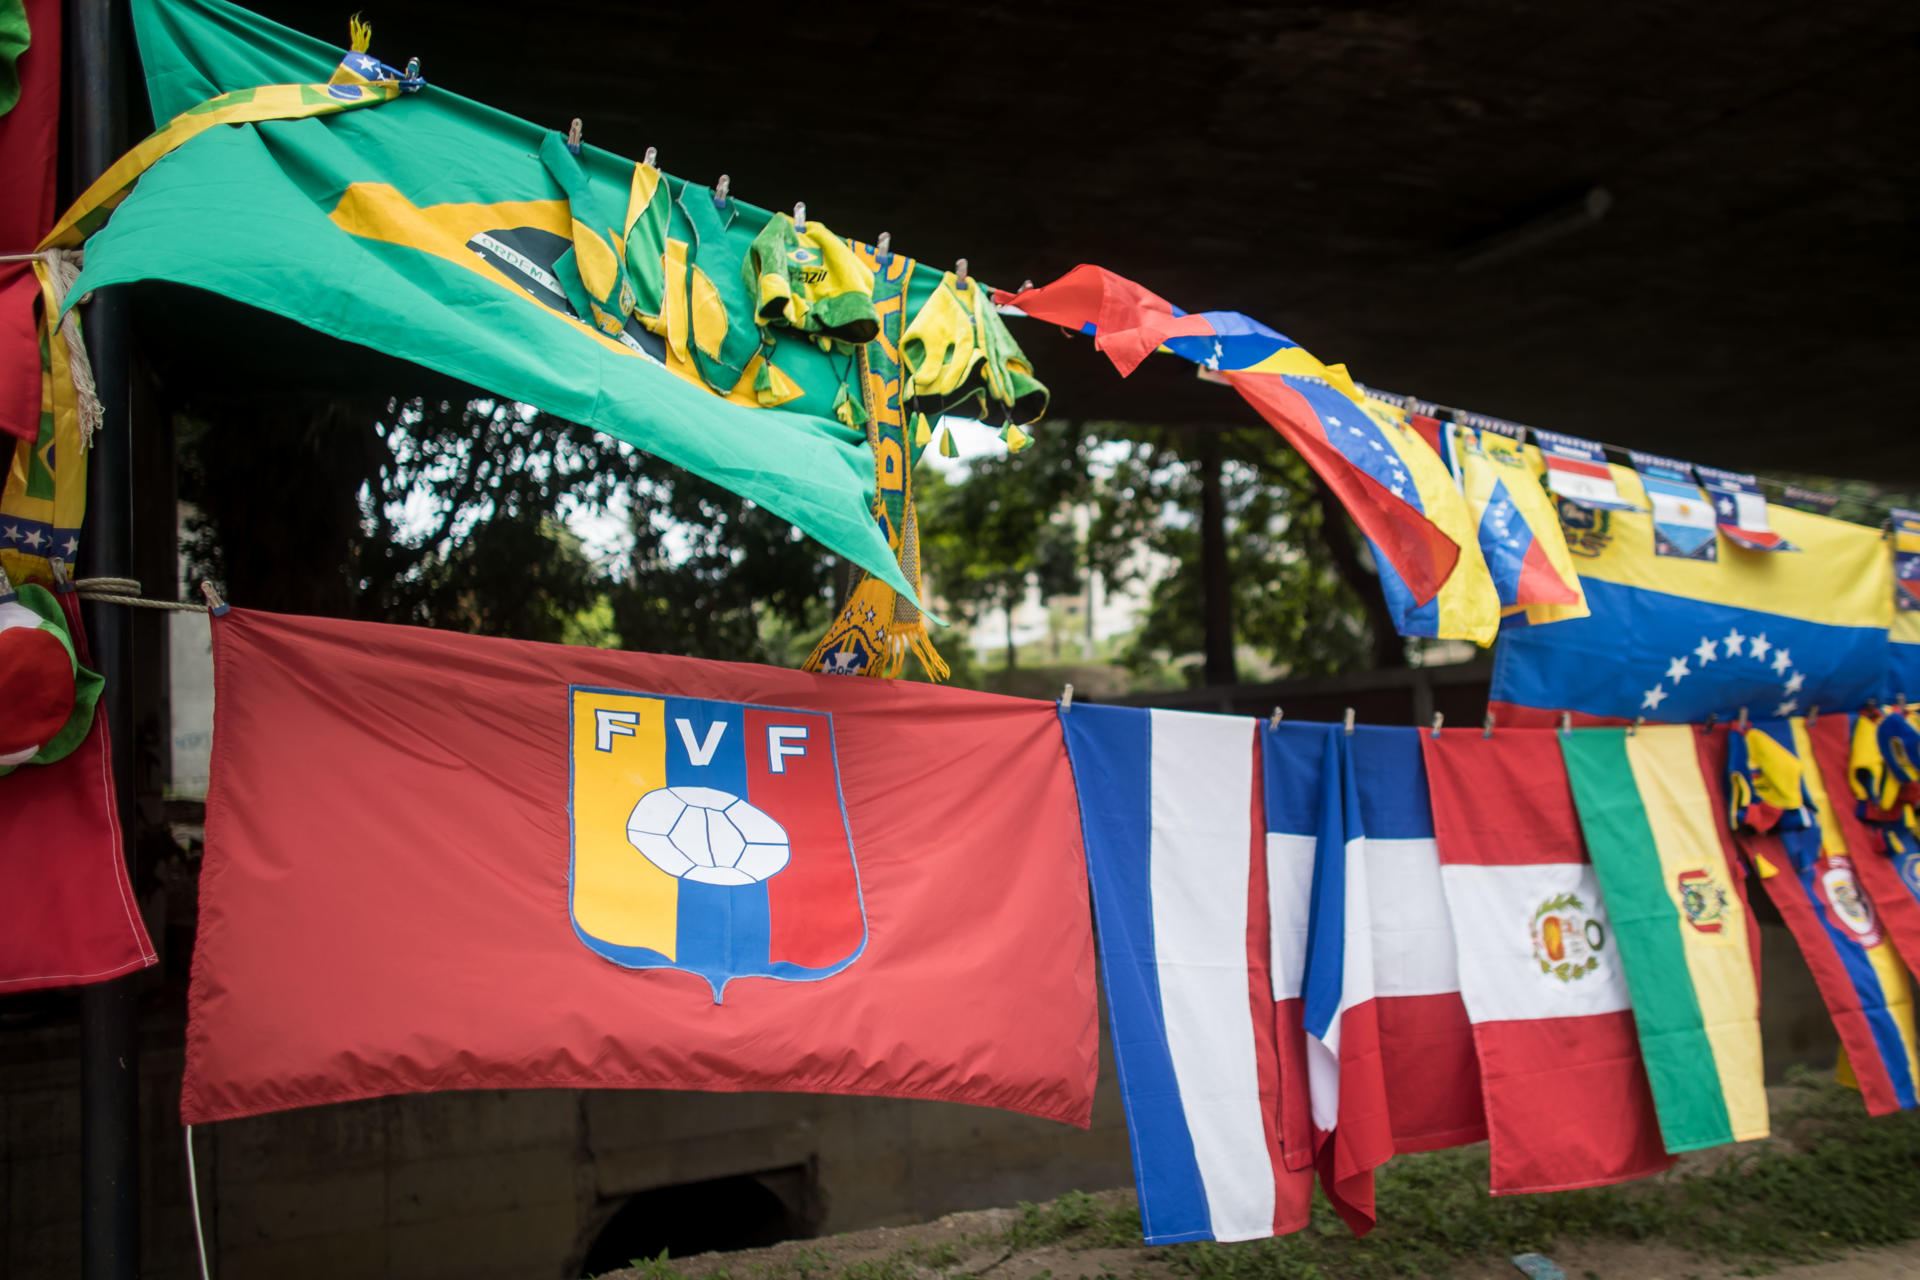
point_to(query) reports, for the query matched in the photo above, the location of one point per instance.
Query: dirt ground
(977, 1235)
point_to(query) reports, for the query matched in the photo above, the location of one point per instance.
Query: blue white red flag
(1741, 510)
(1316, 843)
(1172, 817)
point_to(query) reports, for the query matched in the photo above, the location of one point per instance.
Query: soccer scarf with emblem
(878, 626)
(1680, 920)
(1807, 866)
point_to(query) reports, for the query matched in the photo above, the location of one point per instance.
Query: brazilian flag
(427, 226)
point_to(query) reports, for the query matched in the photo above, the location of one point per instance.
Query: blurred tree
(985, 537)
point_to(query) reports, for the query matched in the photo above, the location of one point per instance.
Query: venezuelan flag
(1683, 640)
(1467, 606)
(1808, 871)
(1386, 476)
(1680, 919)
(1518, 528)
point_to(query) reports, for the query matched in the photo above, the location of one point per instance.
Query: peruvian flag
(1568, 1104)
(1315, 843)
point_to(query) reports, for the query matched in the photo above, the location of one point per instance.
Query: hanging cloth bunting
(724, 336)
(1376, 474)
(1577, 470)
(1741, 510)
(1519, 530)
(593, 271)
(810, 281)
(1683, 523)
(961, 360)
(1906, 560)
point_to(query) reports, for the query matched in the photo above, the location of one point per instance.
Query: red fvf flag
(438, 861)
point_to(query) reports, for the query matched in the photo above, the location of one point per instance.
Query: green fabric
(648, 216)
(603, 302)
(1673, 1041)
(86, 683)
(14, 39)
(720, 258)
(243, 213)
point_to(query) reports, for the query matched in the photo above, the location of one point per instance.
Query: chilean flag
(1172, 815)
(1317, 869)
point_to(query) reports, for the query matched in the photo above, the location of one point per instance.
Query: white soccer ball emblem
(708, 835)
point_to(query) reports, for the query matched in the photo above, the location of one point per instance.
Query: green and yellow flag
(423, 224)
(1681, 925)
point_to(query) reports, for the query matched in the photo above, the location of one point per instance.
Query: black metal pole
(1216, 571)
(109, 1051)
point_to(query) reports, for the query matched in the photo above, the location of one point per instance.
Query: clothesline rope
(126, 591)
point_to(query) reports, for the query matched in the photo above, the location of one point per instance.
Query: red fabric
(1432, 1072)
(37, 676)
(1129, 321)
(1428, 429)
(29, 135)
(1894, 903)
(1277, 1051)
(67, 912)
(1362, 1137)
(1540, 582)
(1567, 1099)
(1423, 555)
(1568, 1103)
(1511, 715)
(385, 901)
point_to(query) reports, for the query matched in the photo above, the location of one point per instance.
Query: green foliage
(1290, 603)
(1083, 1220)
(655, 1268)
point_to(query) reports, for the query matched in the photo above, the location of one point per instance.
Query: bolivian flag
(1680, 917)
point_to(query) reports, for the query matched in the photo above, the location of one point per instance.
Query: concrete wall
(517, 1184)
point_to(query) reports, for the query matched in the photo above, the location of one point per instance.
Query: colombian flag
(1807, 867)
(1680, 918)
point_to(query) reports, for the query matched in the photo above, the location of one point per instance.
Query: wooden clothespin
(1066, 697)
(800, 216)
(1437, 718)
(1740, 725)
(652, 158)
(1026, 286)
(1349, 722)
(883, 246)
(1486, 728)
(1566, 722)
(1635, 726)
(1813, 714)
(960, 274)
(1273, 721)
(214, 602)
(720, 189)
(575, 135)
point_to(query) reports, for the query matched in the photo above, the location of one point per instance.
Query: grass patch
(1835, 1179)
(1842, 1180)
(1078, 1220)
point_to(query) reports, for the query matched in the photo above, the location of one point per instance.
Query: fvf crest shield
(710, 837)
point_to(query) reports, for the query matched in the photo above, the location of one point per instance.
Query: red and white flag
(1567, 1098)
